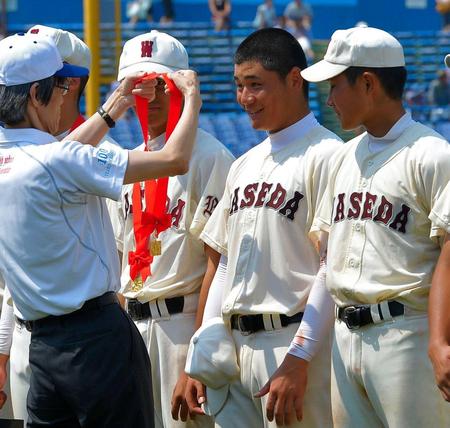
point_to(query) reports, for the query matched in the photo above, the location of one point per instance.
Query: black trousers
(89, 369)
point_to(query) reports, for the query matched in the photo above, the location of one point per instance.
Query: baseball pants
(89, 369)
(382, 376)
(20, 371)
(167, 339)
(259, 355)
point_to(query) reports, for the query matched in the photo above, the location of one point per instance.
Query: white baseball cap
(72, 49)
(447, 60)
(28, 58)
(152, 52)
(356, 47)
(212, 360)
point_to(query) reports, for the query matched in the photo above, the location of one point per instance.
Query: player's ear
(369, 81)
(295, 78)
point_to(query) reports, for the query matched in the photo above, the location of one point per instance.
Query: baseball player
(382, 246)
(164, 307)
(439, 345)
(261, 226)
(56, 239)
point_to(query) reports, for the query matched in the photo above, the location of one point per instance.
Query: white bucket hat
(152, 52)
(212, 360)
(356, 47)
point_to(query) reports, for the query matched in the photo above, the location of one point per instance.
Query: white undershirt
(377, 144)
(286, 136)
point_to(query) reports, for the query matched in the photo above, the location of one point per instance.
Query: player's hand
(187, 82)
(286, 389)
(440, 358)
(179, 406)
(195, 397)
(128, 88)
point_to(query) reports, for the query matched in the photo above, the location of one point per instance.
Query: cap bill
(322, 70)
(447, 60)
(69, 70)
(146, 66)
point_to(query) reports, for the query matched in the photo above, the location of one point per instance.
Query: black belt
(140, 311)
(95, 303)
(359, 316)
(253, 323)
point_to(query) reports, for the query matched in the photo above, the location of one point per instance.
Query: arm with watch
(173, 158)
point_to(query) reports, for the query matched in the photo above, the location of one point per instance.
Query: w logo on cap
(146, 48)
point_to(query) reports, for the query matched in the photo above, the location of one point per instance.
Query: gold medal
(155, 247)
(137, 284)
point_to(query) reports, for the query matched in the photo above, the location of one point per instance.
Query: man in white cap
(164, 306)
(89, 365)
(382, 244)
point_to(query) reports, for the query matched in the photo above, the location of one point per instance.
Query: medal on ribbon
(148, 223)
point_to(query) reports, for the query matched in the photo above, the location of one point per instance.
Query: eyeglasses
(65, 88)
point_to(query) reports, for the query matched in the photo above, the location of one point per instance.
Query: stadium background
(104, 27)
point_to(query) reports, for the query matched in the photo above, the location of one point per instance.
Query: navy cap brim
(69, 70)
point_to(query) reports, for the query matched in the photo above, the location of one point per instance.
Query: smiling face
(263, 94)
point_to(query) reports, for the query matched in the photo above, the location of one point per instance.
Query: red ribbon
(155, 218)
(78, 121)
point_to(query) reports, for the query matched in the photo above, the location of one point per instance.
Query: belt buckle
(242, 327)
(348, 312)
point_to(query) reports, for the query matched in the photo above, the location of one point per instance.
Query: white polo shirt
(57, 247)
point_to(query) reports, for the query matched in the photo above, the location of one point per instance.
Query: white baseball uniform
(382, 247)
(179, 270)
(262, 225)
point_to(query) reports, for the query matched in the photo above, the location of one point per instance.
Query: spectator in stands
(220, 12)
(306, 45)
(168, 12)
(439, 98)
(443, 7)
(139, 10)
(266, 15)
(298, 16)
(439, 91)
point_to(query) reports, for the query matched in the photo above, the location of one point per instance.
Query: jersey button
(351, 263)
(357, 227)
(370, 163)
(364, 183)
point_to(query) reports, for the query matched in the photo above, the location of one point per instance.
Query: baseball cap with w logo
(152, 52)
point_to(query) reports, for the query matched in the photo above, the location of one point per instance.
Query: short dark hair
(276, 50)
(392, 79)
(14, 99)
